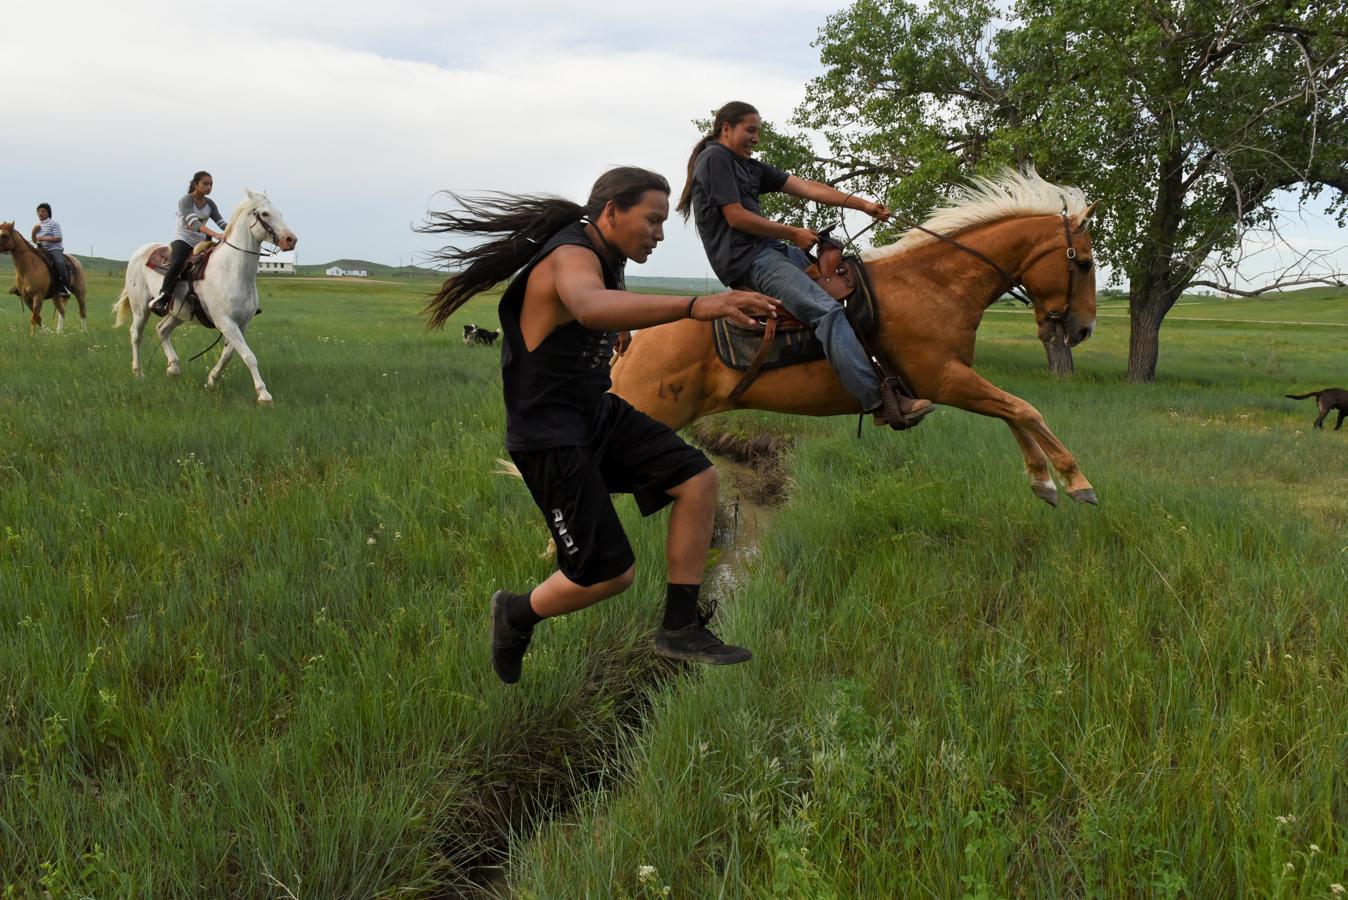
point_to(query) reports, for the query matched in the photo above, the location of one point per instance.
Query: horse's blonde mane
(989, 199)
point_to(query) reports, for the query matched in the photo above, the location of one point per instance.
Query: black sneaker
(696, 643)
(508, 643)
(160, 307)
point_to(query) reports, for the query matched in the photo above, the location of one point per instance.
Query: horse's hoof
(1086, 496)
(264, 399)
(210, 385)
(1046, 492)
(173, 372)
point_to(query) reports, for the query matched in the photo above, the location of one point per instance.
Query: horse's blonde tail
(506, 467)
(122, 308)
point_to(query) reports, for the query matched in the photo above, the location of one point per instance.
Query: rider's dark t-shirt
(721, 177)
(553, 393)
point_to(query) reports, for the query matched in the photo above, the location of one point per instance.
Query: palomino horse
(228, 292)
(33, 279)
(931, 296)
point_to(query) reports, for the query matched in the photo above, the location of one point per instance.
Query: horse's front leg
(164, 329)
(234, 334)
(966, 389)
(60, 313)
(35, 320)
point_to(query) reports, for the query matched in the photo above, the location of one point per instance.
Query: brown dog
(1328, 398)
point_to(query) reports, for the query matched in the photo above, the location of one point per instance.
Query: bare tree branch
(1276, 286)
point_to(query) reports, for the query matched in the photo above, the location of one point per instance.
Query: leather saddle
(785, 340)
(196, 263)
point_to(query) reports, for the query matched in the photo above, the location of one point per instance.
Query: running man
(572, 441)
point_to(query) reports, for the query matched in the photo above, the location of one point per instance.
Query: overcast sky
(352, 115)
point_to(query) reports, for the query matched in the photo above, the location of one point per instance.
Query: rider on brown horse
(744, 248)
(47, 234)
(574, 443)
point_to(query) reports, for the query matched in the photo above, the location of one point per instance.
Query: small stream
(743, 516)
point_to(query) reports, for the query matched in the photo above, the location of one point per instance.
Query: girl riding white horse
(228, 293)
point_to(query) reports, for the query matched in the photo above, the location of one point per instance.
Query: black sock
(520, 613)
(680, 605)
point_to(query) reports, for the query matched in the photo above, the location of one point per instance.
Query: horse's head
(8, 241)
(1060, 279)
(264, 221)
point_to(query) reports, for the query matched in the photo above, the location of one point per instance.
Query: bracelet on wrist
(689, 313)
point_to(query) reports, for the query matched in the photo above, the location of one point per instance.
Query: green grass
(212, 682)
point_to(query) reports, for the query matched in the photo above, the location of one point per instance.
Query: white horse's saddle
(196, 264)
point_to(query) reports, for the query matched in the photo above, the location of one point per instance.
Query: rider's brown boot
(899, 411)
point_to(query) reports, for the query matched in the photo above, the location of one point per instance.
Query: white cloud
(351, 120)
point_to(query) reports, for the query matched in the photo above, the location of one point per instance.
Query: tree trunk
(1059, 354)
(1151, 295)
(1147, 305)
(1144, 342)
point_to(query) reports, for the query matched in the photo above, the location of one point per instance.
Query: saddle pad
(736, 346)
(195, 269)
(158, 259)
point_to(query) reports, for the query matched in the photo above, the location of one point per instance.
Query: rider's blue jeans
(779, 271)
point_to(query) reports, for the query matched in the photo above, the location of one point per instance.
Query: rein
(1010, 284)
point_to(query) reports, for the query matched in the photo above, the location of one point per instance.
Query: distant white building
(339, 272)
(276, 267)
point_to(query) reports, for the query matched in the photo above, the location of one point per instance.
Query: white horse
(228, 292)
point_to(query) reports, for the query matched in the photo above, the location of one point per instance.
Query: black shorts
(630, 453)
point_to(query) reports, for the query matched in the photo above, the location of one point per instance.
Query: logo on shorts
(563, 537)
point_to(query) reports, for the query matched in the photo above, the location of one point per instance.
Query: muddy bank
(754, 460)
(546, 768)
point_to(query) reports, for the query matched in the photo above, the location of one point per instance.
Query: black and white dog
(472, 334)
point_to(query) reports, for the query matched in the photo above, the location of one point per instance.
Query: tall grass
(958, 691)
(243, 651)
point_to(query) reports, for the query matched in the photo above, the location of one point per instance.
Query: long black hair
(733, 113)
(196, 178)
(524, 223)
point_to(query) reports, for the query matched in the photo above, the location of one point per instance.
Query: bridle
(271, 236)
(1012, 284)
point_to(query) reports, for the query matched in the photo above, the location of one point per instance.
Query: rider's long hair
(196, 178)
(731, 114)
(522, 223)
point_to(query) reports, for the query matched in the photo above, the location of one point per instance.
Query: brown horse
(931, 295)
(33, 279)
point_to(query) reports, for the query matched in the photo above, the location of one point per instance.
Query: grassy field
(243, 650)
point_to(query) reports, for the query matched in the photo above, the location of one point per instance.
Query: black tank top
(553, 393)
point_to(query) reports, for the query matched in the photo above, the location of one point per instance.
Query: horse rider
(194, 210)
(572, 441)
(48, 233)
(723, 185)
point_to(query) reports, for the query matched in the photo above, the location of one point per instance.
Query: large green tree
(1188, 119)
